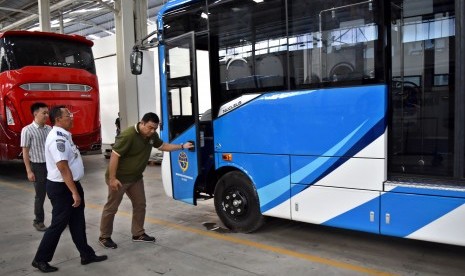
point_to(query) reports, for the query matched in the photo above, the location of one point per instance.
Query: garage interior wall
(148, 86)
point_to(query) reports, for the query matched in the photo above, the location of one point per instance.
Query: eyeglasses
(70, 115)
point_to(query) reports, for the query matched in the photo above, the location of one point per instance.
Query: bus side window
(3, 61)
(270, 71)
(238, 74)
(206, 116)
(251, 44)
(331, 43)
(4, 64)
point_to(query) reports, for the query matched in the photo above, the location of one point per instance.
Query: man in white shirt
(65, 170)
(33, 141)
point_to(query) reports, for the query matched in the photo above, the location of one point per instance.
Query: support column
(62, 25)
(127, 85)
(44, 15)
(141, 8)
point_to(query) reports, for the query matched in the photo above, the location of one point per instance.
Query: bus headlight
(12, 117)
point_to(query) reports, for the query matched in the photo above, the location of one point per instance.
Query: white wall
(148, 85)
(109, 105)
(105, 61)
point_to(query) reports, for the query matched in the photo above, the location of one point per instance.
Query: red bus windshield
(54, 69)
(21, 51)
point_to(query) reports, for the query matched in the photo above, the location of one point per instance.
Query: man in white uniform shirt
(65, 170)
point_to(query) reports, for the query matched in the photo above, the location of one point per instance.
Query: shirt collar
(36, 125)
(64, 131)
(136, 127)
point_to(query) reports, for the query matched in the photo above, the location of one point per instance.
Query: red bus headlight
(12, 117)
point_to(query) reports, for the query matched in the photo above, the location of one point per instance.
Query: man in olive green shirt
(128, 160)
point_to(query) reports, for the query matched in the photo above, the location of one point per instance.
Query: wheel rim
(234, 203)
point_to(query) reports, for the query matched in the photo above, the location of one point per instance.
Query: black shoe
(143, 238)
(44, 267)
(93, 259)
(107, 243)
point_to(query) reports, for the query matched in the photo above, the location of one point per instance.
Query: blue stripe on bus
(358, 218)
(274, 193)
(408, 212)
(277, 192)
(317, 169)
(367, 139)
(275, 201)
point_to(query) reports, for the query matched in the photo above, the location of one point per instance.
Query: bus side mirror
(136, 62)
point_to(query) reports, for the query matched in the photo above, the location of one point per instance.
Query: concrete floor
(192, 241)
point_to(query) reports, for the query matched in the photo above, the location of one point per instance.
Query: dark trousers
(40, 172)
(64, 214)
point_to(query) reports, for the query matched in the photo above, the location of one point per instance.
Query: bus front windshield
(48, 51)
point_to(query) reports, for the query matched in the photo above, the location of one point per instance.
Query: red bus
(52, 68)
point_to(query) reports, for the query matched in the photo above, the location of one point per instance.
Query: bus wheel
(236, 203)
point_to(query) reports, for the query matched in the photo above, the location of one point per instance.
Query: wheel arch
(233, 167)
(207, 183)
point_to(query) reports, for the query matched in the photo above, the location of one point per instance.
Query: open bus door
(182, 114)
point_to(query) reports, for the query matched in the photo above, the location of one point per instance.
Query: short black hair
(150, 117)
(55, 113)
(37, 106)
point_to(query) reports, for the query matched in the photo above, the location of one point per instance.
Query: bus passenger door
(183, 114)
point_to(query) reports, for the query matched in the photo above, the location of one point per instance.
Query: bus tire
(236, 203)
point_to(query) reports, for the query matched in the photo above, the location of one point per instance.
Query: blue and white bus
(344, 113)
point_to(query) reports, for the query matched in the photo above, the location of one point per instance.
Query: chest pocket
(75, 150)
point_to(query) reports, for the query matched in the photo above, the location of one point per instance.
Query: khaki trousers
(136, 193)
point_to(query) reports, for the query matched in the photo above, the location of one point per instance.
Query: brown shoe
(107, 243)
(40, 226)
(143, 238)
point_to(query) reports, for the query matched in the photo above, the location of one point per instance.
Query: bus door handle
(193, 148)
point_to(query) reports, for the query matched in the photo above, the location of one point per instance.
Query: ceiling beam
(33, 17)
(89, 23)
(114, 10)
(16, 10)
